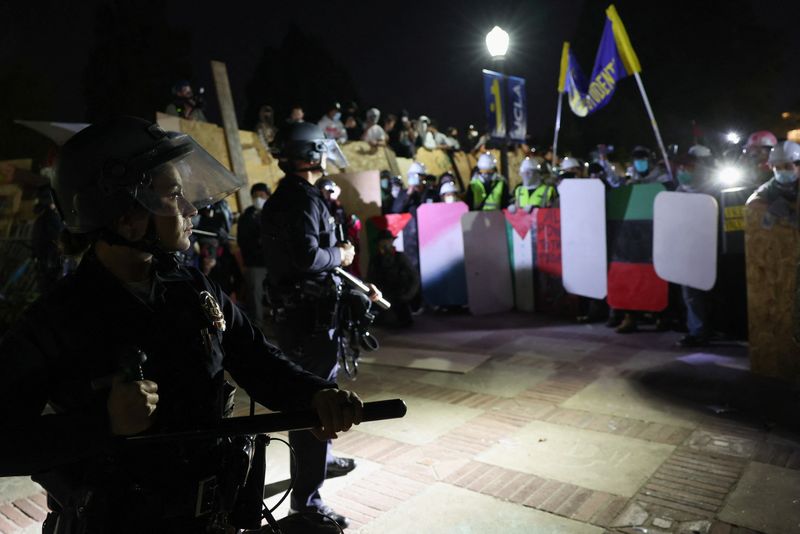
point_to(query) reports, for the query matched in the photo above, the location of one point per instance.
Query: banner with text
(506, 106)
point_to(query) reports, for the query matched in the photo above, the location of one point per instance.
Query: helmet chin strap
(149, 242)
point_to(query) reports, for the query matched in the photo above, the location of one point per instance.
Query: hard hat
(305, 141)
(641, 152)
(569, 163)
(761, 138)
(448, 188)
(415, 170)
(700, 151)
(528, 165)
(785, 152)
(424, 118)
(109, 167)
(486, 162)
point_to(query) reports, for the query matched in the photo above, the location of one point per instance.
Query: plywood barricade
(772, 256)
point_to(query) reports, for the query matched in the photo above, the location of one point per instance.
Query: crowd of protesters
(765, 165)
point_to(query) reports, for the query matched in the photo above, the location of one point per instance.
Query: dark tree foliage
(709, 63)
(301, 71)
(136, 58)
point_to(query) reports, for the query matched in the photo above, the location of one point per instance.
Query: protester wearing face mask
(331, 124)
(755, 156)
(643, 170)
(532, 192)
(397, 200)
(418, 190)
(688, 171)
(373, 132)
(779, 194)
(448, 193)
(488, 189)
(249, 239)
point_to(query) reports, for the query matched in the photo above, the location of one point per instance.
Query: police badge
(212, 310)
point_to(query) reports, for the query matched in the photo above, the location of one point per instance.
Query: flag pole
(558, 127)
(654, 124)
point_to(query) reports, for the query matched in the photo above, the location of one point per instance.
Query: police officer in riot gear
(128, 190)
(301, 250)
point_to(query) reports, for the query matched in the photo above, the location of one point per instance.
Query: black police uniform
(71, 338)
(299, 242)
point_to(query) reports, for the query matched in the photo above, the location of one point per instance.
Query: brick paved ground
(613, 434)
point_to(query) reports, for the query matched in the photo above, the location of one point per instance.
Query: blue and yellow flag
(615, 60)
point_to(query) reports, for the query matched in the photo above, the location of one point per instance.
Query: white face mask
(449, 198)
(259, 202)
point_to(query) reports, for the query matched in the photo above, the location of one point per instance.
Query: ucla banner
(516, 109)
(615, 60)
(494, 102)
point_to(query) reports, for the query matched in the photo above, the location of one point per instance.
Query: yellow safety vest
(492, 202)
(538, 198)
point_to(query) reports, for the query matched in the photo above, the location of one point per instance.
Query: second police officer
(302, 250)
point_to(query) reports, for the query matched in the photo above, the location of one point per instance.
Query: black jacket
(248, 237)
(72, 336)
(298, 234)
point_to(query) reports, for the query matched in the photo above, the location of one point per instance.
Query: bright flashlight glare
(497, 42)
(730, 175)
(733, 138)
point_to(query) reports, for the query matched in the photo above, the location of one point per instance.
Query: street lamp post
(497, 41)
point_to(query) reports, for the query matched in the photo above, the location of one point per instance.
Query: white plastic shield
(685, 239)
(584, 258)
(486, 262)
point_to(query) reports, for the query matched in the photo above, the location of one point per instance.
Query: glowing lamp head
(497, 42)
(733, 138)
(730, 175)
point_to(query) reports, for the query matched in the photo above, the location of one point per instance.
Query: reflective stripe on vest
(492, 202)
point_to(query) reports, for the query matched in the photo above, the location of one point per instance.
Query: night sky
(426, 57)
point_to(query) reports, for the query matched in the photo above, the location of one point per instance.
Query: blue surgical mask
(684, 177)
(785, 177)
(384, 183)
(413, 179)
(337, 116)
(641, 165)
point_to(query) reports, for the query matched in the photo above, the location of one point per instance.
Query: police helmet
(305, 141)
(110, 167)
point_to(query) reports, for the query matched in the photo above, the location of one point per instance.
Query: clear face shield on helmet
(189, 178)
(334, 153)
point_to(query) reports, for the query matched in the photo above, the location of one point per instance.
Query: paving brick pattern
(686, 491)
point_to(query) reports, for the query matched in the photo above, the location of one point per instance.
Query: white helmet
(528, 165)
(785, 152)
(570, 163)
(486, 162)
(448, 188)
(414, 170)
(699, 151)
(373, 114)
